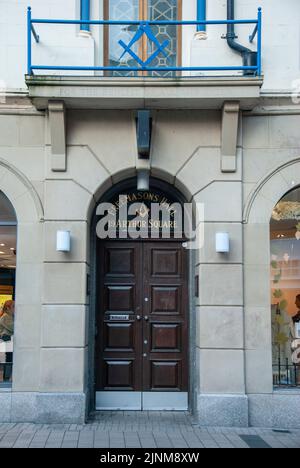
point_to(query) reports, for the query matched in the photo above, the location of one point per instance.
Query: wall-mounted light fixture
(222, 242)
(63, 241)
(143, 180)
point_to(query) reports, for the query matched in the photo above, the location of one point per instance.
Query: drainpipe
(201, 16)
(249, 57)
(85, 15)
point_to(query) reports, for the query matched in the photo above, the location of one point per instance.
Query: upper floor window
(144, 47)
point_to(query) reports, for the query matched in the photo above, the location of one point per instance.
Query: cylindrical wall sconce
(222, 242)
(63, 241)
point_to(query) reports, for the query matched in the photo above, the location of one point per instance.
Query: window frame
(143, 9)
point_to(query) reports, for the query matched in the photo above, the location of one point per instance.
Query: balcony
(147, 72)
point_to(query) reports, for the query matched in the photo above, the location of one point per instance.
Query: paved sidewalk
(141, 429)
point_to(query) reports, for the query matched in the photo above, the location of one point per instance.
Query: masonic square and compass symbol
(144, 28)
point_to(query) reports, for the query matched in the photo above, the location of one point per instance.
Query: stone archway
(189, 348)
(29, 213)
(264, 403)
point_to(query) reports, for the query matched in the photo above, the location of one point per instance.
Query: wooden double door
(142, 326)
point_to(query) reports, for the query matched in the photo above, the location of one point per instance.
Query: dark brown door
(142, 320)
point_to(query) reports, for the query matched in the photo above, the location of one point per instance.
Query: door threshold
(141, 401)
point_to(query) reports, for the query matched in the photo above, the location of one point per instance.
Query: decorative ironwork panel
(122, 10)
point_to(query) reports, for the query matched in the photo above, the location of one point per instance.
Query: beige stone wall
(232, 313)
(271, 169)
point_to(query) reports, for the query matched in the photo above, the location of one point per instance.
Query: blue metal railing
(144, 27)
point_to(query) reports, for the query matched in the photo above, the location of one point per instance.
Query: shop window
(8, 236)
(285, 290)
(144, 48)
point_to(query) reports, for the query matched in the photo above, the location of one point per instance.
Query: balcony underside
(138, 93)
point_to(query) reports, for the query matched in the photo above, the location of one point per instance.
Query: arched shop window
(285, 290)
(8, 237)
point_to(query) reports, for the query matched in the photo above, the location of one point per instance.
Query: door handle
(139, 318)
(146, 318)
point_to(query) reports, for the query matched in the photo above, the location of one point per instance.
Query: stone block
(62, 370)
(258, 328)
(60, 408)
(26, 369)
(65, 200)
(221, 327)
(110, 134)
(257, 244)
(279, 410)
(259, 371)
(257, 286)
(65, 283)
(221, 285)
(30, 242)
(63, 326)
(28, 274)
(223, 410)
(5, 406)
(28, 325)
(9, 130)
(222, 371)
(24, 407)
(199, 129)
(222, 202)
(256, 132)
(32, 130)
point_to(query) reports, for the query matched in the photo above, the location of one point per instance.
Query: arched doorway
(285, 290)
(142, 302)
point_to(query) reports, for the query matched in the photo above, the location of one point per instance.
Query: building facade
(185, 102)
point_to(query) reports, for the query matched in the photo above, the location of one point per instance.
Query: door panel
(118, 343)
(165, 375)
(165, 317)
(142, 340)
(165, 300)
(120, 261)
(164, 262)
(119, 299)
(165, 337)
(119, 374)
(119, 337)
